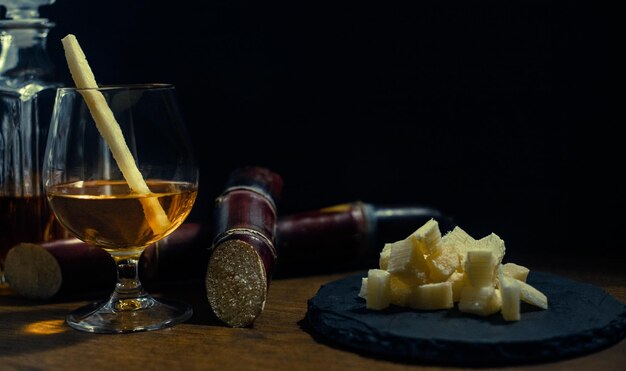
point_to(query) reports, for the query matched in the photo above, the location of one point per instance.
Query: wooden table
(33, 335)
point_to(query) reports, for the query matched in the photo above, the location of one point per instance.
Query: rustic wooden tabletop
(33, 336)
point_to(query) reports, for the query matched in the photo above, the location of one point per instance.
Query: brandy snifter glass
(87, 186)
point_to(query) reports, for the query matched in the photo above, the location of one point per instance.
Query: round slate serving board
(581, 318)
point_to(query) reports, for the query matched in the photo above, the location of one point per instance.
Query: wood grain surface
(33, 336)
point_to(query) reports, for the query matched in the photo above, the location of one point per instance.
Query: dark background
(498, 113)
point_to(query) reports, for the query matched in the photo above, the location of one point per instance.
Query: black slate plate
(581, 318)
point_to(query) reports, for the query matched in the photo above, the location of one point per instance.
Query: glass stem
(128, 286)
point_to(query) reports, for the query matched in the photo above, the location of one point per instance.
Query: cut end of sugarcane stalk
(32, 271)
(110, 130)
(236, 283)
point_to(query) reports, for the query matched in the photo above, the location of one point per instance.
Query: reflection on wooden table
(34, 335)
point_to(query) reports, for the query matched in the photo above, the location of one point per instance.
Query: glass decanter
(27, 92)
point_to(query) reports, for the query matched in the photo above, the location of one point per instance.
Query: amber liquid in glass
(109, 215)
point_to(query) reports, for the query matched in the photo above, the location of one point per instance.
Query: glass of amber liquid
(121, 189)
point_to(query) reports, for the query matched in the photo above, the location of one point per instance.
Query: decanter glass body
(27, 92)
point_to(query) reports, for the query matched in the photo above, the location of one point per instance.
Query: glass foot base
(129, 315)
